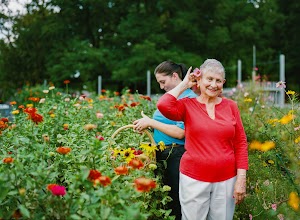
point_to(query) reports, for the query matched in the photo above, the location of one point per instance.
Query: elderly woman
(213, 168)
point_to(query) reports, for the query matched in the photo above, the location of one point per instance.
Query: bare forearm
(180, 88)
(171, 130)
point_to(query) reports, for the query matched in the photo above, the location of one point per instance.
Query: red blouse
(215, 148)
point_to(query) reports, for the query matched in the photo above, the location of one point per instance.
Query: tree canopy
(120, 40)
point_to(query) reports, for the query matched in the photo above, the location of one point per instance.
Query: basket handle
(132, 126)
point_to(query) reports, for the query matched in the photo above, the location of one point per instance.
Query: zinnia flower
(196, 72)
(143, 184)
(281, 85)
(136, 163)
(94, 174)
(103, 180)
(90, 127)
(63, 150)
(121, 170)
(294, 201)
(8, 160)
(58, 190)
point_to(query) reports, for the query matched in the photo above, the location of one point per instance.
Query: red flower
(94, 174)
(36, 118)
(137, 152)
(121, 170)
(8, 160)
(58, 190)
(145, 97)
(66, 81)
(30, 110)
(100, 138)
(63, 150)
(4, 119)
(136, 163)
(143, 184)
(104, 180)
(134, 104)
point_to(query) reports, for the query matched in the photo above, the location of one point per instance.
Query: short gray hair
(213, 65)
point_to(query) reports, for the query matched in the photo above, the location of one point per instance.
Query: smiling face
(211, 84)
(212, 78)
(167, 82)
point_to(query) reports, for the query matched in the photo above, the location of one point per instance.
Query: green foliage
(36, 162)
(122, 40)
(273, 174)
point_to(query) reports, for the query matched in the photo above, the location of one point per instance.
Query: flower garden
(61, 157)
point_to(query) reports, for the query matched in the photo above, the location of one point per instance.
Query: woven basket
(142, 156)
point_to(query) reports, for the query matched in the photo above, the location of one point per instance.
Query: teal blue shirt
(160, 136)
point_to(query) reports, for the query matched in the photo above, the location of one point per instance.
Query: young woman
(168, 74)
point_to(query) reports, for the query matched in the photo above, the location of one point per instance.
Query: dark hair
(169, 67)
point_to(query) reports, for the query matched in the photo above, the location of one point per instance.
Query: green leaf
(24, 211)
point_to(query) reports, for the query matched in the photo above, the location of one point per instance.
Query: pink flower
(196, 72)
(99, 115)
(58, 190)
(250, 217)
(296, 128)
(100, 138)
(280, 85)
(274, 207)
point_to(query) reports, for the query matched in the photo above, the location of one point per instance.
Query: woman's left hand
(142, 123)
(239, 189)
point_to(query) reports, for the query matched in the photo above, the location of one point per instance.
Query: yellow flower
(29, 105)
(286, 119)
(15, 112)
(149, 148)
(255, 145)
(52, 115)
(161, 145)
(273, 121)
(247, 100)
(117, 152)
(297, 140)
(290, 92)
(294, 201)
(268, 145)
(128, 154)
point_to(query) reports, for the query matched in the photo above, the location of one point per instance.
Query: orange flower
(94, 174)
(13, 103)
(136, 163)
(104, 180)
(66, 81)
(63, 150)
(90, 127)
(145, 97)
(8, 160)
(50, 186)
(294, 201)
(143, 184)
(121, 170)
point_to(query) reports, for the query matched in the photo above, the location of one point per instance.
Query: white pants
(204, 200)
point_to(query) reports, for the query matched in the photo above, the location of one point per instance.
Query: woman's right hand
(189, 79)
